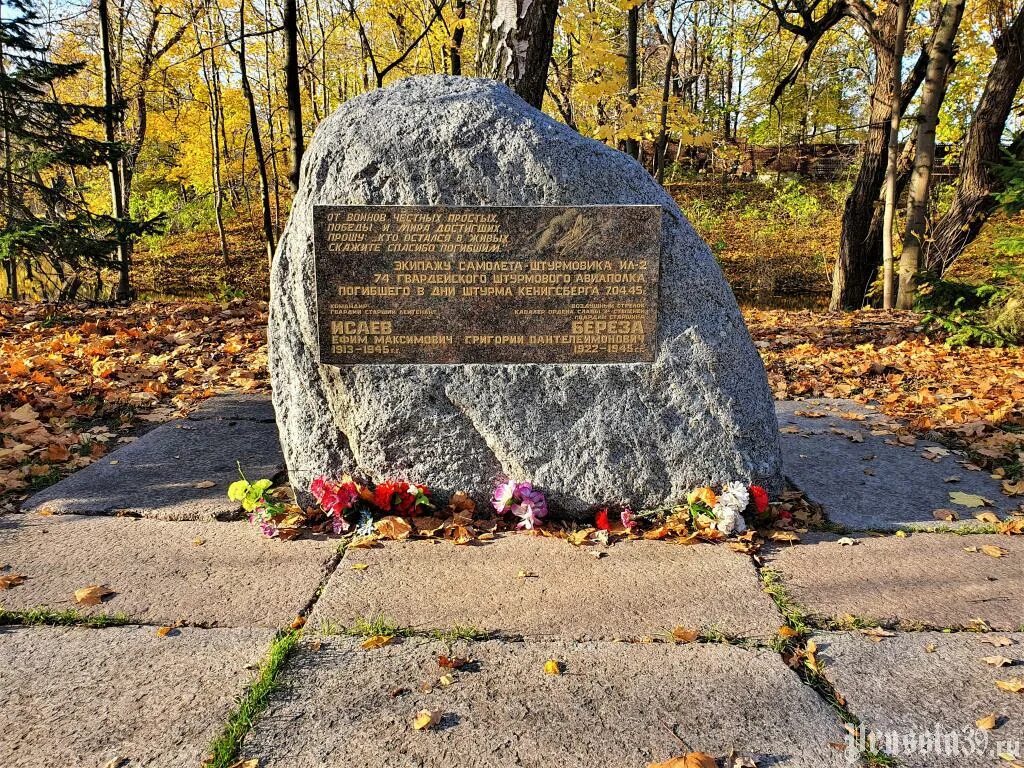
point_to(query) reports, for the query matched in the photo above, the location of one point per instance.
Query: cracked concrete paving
(846, 458)
(914, 685)
(635, 589)
(928, 579)
(614, 704)
(211, 574)
(121, 695)
(179, 471)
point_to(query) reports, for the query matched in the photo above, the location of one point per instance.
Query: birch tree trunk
(124, 289)
(893, 160)
(932, 94)
(516, 37)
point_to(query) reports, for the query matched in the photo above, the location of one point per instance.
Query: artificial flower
(529, 514)
(527, 494)
(503, 494)
(601, 520)
(628, 520)
(728, 508)
(522, 500)
(704, 495)
(760, 498)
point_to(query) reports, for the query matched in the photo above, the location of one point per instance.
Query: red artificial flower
(384, 494)
(601, 520)
(760, 498)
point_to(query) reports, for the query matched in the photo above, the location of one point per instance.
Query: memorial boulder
(468, 291)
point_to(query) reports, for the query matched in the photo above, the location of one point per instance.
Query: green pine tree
(45, 220)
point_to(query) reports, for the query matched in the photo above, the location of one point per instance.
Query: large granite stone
(615, 704)
(541, 587)
(212, 574)
(908, 688)
(637, 433)
(179, 471)
(120, 696)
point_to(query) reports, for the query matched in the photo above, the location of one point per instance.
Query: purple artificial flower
(526, 494)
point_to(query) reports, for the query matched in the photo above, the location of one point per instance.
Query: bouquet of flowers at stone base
(724, 511)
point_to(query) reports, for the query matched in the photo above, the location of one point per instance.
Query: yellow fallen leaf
(787, 632)
(164, 631)
(988, 517)
(298, 622)
(359, 566)
(393, 527)
(1013, 685)
(690, 760)
(930, 648)
(901, 534)
(988, 722)
(252, 763)
(993, 551)
(684, 634)
(552, 667)
(526, 575)
(968, 499)
(376, 641)
(92, 595)
(11, 580)
(446, 680)
(997, 661)
(425, 719)
(998, 642)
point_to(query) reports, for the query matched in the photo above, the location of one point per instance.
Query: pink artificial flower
(628, 522)
(503, 496)
(528, 514)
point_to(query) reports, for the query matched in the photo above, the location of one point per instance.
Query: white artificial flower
(728, 510)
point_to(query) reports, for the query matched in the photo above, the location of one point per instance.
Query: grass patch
(68, 618)
(383, 626)
(379, 625)
(226, 747)
(968, 529)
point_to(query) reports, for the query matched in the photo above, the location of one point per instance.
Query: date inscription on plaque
(402, 284)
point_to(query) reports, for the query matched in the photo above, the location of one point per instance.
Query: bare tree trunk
(893, 156)
(973, 201)
(293, 92)
(455, 48)
(933, 93)
(661, 146)
(257, 141)
(124, 290)
(209, 73)
(516, 37)
(855, 265)
(10, 260)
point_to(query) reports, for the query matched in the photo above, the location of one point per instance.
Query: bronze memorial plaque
(399, 284)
